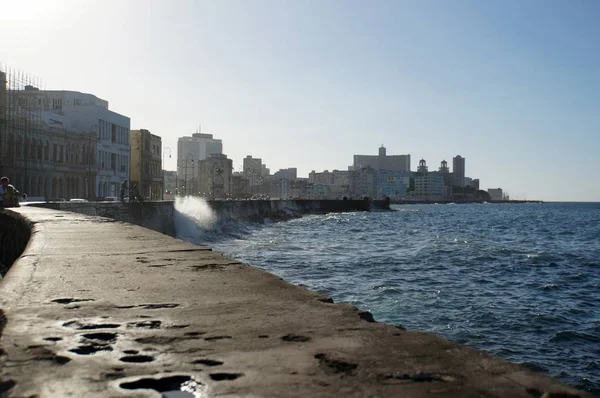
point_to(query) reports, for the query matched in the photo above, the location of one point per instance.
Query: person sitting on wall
(8, 193)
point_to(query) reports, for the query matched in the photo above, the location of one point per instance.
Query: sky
(512, 86)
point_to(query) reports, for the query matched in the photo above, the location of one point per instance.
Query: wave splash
(193, 218)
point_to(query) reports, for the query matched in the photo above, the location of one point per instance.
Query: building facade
(157, 186)
(458, 170)
(496, 193)
(392, 184)
(429, 187)
(382, 161)
(40, 151)
(190, 151)
(363, 182)
(170, 183)
(90, 116)
(215, 174)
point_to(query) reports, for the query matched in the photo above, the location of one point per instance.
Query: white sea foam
(193, 216)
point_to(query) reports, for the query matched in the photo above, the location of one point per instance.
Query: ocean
(521, 281)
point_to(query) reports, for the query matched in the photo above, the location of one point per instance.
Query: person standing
(124, 189)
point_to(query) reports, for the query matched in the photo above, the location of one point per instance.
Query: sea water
(521, 281)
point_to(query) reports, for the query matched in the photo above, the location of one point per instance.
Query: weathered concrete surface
(94, 305)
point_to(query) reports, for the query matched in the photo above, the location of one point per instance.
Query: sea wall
(97, 308)
(15, 231)
(158, 215)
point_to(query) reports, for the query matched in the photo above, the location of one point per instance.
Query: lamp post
(93, 130)
(186, 168)
(166, 148)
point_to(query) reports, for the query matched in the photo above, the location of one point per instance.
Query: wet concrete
(97, 308)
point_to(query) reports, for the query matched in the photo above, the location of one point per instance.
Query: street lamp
(163, 169)
(186, 168)
(93, 130)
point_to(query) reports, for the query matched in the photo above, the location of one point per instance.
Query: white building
(89, 115)
(190, 151)
(496, 193)
(382, 161)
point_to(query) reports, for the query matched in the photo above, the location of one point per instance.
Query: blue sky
(512, 86)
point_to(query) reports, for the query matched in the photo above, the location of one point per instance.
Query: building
(382, 161)
(429, 187)
(257, 174)
(40, 151)
(157, 187)
(215, 174)
(422, 167)
(363, 182)
(458, 170)
(496, 193)
(146, 164)
(240, 186)
(91, 117)
(170, 182)
(317, 191)
(475, 184)
(286, 174)
(190, 151)
(392, 184)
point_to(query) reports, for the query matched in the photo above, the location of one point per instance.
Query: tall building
(146, 164)
(190, 151)
(382, 161)
(215, 176)
(458, 170)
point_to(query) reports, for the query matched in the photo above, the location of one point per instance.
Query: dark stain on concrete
(163, 384)
(108, 337)
(334, 366)
(207, 362)
(158, 306)
(225, 376)
(366, 316)
(137, 358)
(154, 324)
(69, 300)
(214, 338)
(41, 353)
(90, 326)
(89, 349)
(295, 338)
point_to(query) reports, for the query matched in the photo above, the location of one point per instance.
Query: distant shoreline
(445, 202)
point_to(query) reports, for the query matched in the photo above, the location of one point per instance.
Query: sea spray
(193, 217)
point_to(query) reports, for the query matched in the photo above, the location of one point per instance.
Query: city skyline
(308, 86)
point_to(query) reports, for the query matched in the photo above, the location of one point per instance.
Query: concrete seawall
(98, 308)
(158, 215)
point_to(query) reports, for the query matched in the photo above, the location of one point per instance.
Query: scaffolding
(21, 122)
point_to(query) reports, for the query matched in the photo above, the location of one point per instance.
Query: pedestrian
(124, 189)
(8, 193)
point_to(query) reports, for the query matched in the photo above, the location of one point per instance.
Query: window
(113, 132)
(113, 161)
(76, 101)
(57, 103)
